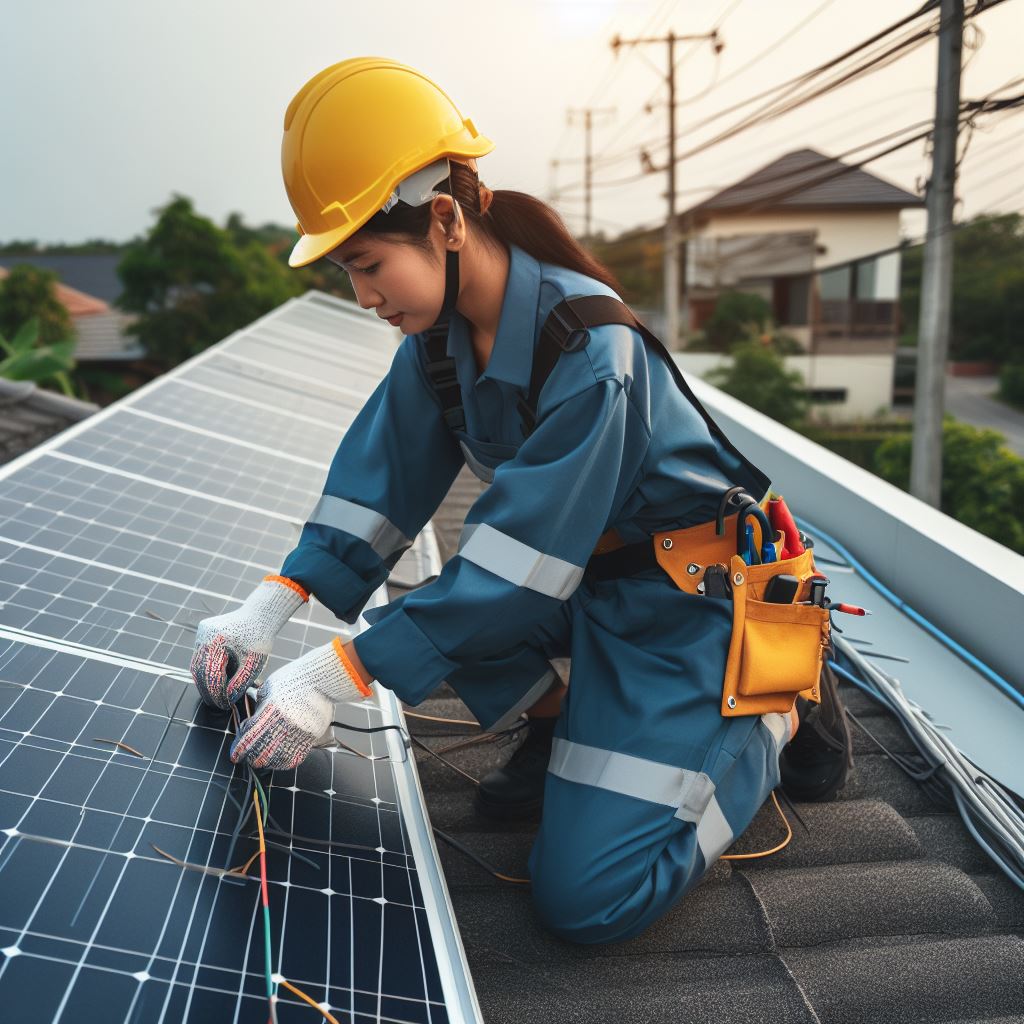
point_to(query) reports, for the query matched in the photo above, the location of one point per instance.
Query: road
(969, 399)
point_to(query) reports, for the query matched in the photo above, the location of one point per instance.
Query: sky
(114, 105)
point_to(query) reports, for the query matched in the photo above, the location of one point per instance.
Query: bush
(737, 315)
(982, 480)
(1011, 384)
(758, 377)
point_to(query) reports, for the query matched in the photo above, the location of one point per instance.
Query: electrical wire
(898, 602)
(774, 849)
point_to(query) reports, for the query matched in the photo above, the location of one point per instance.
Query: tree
(192, 285)
(759, 378)
(988, 289)
(30, 293)
(982, 480)
(736, 317)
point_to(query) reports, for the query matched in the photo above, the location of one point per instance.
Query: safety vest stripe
(691, 793)
(378, 531)
(517, 562)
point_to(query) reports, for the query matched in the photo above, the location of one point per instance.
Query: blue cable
(958, 649)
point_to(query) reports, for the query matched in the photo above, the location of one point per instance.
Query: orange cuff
(339, 649)
(291, 584)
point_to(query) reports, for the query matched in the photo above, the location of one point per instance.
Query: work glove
(232, 649)
(294, 707)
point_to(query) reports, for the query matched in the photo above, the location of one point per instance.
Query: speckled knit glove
(232, 649)
(295, 706)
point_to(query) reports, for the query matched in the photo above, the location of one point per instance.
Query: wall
(866, 378)
(844, 235)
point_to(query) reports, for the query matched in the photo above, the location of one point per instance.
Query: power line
(768, 50)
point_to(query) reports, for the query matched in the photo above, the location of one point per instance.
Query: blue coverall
(648, 784)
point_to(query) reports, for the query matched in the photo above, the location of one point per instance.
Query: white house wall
(844, 236)
(867, 379)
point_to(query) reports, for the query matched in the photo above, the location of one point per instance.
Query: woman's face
(401, 282)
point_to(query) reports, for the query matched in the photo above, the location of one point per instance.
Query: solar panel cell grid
(116, 540)
(202, 464)
(90, 906)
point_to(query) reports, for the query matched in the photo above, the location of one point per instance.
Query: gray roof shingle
(30, 414)
(807, 179)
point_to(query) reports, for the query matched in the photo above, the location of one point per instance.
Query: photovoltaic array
(121, 814)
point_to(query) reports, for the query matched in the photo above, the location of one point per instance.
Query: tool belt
(776, 649)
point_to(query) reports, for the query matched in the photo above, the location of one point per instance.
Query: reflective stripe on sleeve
(518, 563)
(691, 793)
(378, 531)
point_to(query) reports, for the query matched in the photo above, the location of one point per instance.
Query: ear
(448, 220)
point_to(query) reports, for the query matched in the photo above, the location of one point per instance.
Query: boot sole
(498, 811)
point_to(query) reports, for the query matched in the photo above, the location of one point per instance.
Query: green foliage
(759, 378)
(988, 289)
(737, 316)
(24, 358)
(857, 443)
(192, 284)
(635, 258)
(982, 480)
(1011, 384)
(29, 293)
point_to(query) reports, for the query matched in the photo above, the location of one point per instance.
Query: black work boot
(815, 764)
(516, 789)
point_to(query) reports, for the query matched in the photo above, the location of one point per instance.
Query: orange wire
(774, 849)
(302, 995)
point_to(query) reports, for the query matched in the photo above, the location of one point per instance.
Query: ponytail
(519, 219)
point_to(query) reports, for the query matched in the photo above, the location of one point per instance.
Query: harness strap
(440, 368)
(565, 330)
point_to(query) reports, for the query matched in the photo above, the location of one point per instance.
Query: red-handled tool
(783, 522)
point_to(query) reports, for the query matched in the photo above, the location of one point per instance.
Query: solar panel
(120, 811)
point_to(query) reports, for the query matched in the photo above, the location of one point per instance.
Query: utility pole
(671, 256)
(588, 177)
(937, 267)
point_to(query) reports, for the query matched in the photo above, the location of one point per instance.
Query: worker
(642, 780)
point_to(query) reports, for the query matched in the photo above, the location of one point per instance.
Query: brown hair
(513, 218)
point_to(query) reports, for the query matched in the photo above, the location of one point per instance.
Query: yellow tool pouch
(777, 650)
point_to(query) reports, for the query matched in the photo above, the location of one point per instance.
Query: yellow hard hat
(352, 134)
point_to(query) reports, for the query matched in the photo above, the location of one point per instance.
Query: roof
(807, 179)
(30, 414)
(99, 330)
(92, 273)
(75, 302)
(884, 909)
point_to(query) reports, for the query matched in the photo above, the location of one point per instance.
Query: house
(99, 328)
(819, 240)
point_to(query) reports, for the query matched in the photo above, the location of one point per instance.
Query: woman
(647, 783)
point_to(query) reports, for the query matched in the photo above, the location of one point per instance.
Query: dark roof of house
(807, 179)
(30, 415)
(93, 273)
(883, 910)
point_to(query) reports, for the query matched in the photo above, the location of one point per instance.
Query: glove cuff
(349, 668)
(290, 584)
(274, 602)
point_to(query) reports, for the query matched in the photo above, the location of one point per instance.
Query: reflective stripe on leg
(691, 793)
